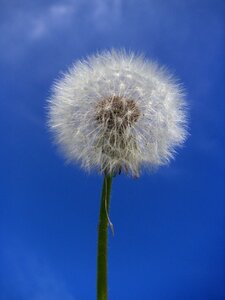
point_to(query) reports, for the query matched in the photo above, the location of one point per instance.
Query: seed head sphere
(116, 111)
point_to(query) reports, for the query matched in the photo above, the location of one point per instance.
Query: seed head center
(117, 113)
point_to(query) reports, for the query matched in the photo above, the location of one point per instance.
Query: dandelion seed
(118, 112)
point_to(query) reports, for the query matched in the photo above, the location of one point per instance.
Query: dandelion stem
(103, 240)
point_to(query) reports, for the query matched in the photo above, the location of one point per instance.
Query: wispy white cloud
(23, 27)
(56, 16)
(36, 25)
(106, 12)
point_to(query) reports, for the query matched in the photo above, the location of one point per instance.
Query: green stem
(102, 240)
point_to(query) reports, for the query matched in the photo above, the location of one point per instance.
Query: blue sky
(169, 226)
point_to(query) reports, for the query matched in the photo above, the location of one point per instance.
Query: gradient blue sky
(169, 239)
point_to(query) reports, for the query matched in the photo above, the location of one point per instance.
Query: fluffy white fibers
(116, 111)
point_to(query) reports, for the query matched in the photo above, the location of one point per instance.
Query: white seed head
(117, 112)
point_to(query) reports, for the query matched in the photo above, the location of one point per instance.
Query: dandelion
(117, 112)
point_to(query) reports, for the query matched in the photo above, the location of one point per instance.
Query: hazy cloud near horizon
(30, 275)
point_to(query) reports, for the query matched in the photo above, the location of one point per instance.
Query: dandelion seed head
(118, 112)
